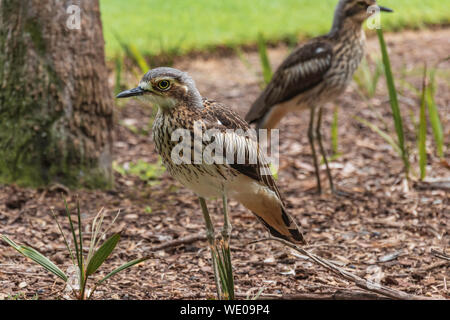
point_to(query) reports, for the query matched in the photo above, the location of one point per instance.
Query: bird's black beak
(131, 93)
(384, 9)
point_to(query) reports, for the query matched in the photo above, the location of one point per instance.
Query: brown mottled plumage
(316, 72)
(181, 107)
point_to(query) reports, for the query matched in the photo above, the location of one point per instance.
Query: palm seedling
(82, 268)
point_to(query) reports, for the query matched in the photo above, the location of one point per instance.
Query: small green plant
(398, 122)
(118, 80)
(273, 170)
(82, 268)
(391, 141)
(334, 135)
(422, 130)
(433, 113)
(222, 255)
(148, 209)
(264, 58)
(428, 103)
(431, 106)
(366, 79)
(426, 97)
(138, 58)
(220, 252)
(147, 172)
(133, 53)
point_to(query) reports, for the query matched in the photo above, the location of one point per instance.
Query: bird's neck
(195, 100)
(346, 29)
(190, 100)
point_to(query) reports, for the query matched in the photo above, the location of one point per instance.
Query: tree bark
(56, 109)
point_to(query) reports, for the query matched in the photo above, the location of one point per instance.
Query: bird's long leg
(211, 237)
(226, 230)
(226, 254)
(322, 149)
(313, 150)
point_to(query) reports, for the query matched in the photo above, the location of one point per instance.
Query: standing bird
(315, 73)
(181, 107)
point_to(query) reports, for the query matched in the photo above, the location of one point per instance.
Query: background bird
(182, 107)
(315, 73)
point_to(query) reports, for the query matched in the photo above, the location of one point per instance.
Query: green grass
(179, 26)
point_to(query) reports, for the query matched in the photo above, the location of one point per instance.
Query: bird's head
(357, 10)
(165, 87)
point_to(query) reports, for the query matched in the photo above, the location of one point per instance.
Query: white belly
(205, 182)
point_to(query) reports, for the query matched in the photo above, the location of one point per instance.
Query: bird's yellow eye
(164, 84)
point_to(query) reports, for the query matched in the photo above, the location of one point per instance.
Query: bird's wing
(267, 205)
(302, 70)
(255, 165)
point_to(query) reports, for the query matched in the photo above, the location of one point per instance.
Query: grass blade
(224, 266)
(83, 276)
(107, 228)
(265, 64)
(433, 114)
(36, 257)
(118, 80)
(394, 102)
(131, 51)
(381, 133)
(376, 76)
(117, 270)
(139, 58)
(362, 78)
(95, 228)
(334, 132)
(102, 254)
(222, 274)
(229, 270)
(367, 80)
(64, 237)
(258, 294)
(72, 228)
(422, 136)
(123, 267)
(80, 233)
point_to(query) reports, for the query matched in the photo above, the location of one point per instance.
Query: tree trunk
(56, 109)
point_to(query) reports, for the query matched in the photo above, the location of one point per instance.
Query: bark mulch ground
(386, 232)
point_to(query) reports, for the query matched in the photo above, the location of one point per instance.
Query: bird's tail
(288, 231)
(269, 209)
(269, 119)
(256, 115)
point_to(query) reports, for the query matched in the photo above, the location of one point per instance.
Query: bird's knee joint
(226, 231)
(311, 135)
(318, 132)
(211, 236)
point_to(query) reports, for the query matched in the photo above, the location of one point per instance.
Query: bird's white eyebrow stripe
(145, 85)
